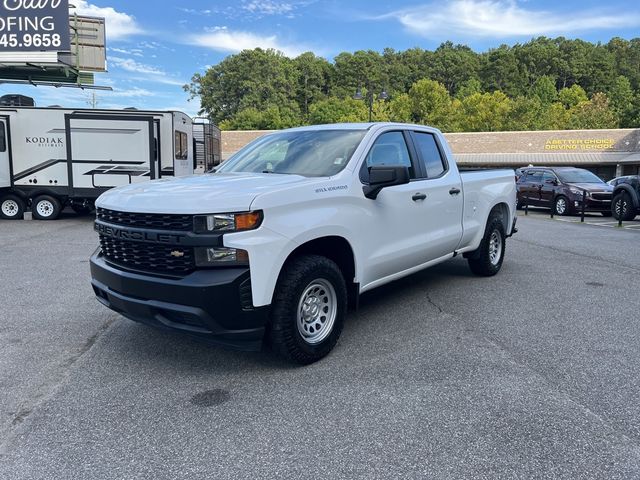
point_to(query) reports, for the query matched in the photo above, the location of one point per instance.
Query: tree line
(538, 85)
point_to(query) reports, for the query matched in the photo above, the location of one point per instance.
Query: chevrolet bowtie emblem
(177, 253)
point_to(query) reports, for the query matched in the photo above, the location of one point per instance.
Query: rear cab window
(433, 162)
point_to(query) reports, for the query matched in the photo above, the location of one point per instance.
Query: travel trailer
(55, 157)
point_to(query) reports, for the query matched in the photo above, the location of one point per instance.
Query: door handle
(454, 191)
(419, 196)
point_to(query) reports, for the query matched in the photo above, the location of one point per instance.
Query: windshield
(312, 153)
(579, 176)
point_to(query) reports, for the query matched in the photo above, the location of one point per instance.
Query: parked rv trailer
(54, 157)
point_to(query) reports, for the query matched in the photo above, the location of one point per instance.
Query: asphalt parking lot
(534, 373)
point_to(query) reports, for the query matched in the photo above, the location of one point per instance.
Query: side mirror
(381, 176)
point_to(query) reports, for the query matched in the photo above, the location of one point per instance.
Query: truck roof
(355, 126)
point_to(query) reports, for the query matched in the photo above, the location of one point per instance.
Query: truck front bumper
(213, 305)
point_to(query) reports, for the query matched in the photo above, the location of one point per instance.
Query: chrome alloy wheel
(495, 247)
(317, 310)
(10, 208)
(621, 207)
(561, 206)
(45, 208)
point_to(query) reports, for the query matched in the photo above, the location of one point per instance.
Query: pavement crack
(48, 389)
(582, 255)
(440, 310)
(553, 386)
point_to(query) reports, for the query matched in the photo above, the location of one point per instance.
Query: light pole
(369, 97)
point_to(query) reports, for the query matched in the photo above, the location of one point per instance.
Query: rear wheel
(561, 205)
(11, 207)
(309, 309)
(622, 207)
(487, 259)
(46, 207)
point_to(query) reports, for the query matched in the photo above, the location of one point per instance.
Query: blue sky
(154, 47)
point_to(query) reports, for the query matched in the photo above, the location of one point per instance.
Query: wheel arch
(628, 189)
(503, 211)
(337, 249)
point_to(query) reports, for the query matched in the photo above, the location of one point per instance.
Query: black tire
(606, 214)
(483, 261)
(45, 207)
(11, 207)
(296, 282)
(622, 206)
(81, 209)
(561, 205)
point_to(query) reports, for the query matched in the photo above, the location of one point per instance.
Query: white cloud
(131, 92)
(502, 19)
(225, 40)
(269, 7)
(118, 25)
(131, 65)
(136, 52)
(145, 73)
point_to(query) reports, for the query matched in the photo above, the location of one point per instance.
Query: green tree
(544, 89)
(400, 108)
(453, 65)
(594, 113)
(336, 110)
(431, 104)
(484, 112)
(469, 87)
(622, 100)
(572, 96)
(313, 79)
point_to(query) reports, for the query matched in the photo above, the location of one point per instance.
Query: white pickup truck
(278, 242)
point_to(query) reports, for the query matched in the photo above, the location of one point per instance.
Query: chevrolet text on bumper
(274, 246)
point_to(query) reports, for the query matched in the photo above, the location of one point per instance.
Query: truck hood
(209, 193)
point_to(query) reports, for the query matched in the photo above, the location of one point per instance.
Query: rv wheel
(45, 207)
(11, 207)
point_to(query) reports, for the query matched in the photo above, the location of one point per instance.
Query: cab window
(390, 149)
(430, 155)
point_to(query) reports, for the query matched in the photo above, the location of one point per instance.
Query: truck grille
(159, 221)
(151, 257)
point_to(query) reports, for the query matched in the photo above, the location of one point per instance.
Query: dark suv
(561, 188)
(626, 197)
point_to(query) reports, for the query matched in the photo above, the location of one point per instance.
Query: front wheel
(46, 207)
(561, 205)
(11, 207)
(622, 207)
(309, 309)
(487, 259)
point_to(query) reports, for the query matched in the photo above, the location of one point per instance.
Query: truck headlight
(226, 222)
(220, 256)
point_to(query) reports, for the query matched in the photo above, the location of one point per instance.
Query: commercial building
(608, 153)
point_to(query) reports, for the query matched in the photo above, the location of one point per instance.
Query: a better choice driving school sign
(34, 25)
